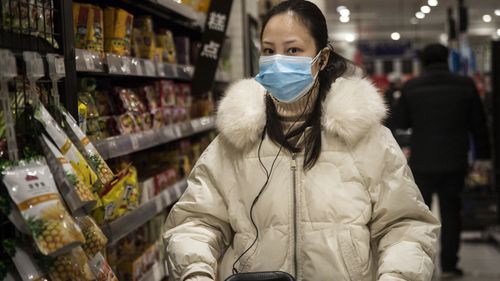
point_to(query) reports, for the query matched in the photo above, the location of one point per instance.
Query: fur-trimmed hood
(351, 108)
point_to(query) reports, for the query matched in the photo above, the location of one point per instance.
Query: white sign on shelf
(149, 68)
(134, 140)
(88, 58)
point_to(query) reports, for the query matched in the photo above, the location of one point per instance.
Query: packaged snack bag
(122, 33)
(167, 90)
(109, 27)
(67, 148)
(157, 118)
(83, 190)
(165, 40)
(151, 96)
(127, 124)
(95, 240)
(101, 269)
(80, 21)
(71, 266)
(94, 158)
(95, 39)
(121, 194)
(33, 190)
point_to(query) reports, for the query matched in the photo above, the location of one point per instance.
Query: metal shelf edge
(122, 145)
(129, 222)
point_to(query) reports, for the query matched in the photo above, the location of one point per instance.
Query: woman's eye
(267, 52)
(293, 51)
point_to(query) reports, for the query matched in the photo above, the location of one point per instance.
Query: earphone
(268, 176)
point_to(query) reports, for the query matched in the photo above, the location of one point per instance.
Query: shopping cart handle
(261, 276)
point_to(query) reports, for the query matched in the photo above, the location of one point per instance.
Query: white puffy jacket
(356, 215)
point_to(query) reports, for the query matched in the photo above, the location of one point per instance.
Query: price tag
(89, 61)
(149, 68)
(126, 62)
(134, 139)
(160, 69)
(59, 65)
(137, 67)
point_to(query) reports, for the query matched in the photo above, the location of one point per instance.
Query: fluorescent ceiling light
(344, 19)
(340, 8)
(345, 12)
(486, 18)
(420, 15)
(432, 3)
(395, 36)
(425, 9)
(349, 37)
(497, 12)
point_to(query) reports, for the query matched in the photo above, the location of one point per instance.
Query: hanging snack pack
(119, 196)
(101, 269)
(71, 266)
(32, 188)
(95, 240)
(95, 40)
(95, 160)
(83, 190)
(68, 149)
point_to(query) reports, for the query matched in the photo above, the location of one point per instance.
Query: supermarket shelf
(126, 224)
(157, 272)
(122, 145)
(94, 64)
(181, 9)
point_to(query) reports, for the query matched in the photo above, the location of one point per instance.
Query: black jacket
(445, 112)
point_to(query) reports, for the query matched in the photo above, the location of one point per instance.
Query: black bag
(261, 276)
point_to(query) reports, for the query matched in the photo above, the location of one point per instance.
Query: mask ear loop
(268, 177)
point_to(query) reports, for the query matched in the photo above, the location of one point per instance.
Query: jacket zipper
(295, 231)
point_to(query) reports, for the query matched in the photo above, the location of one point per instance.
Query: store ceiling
(377, 19)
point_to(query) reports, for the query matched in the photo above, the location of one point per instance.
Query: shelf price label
(88, 58)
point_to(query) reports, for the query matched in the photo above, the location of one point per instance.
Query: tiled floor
(480, 262)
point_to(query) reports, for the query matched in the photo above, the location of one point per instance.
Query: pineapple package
(94, 158)
(68, 149)
(83, 191)
(32, 188)
(72, 266)
(95, 240)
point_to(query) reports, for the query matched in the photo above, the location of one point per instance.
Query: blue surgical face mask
(286, 78)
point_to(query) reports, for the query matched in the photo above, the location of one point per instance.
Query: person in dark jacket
(445, 113)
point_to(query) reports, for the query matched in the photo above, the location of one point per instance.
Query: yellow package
(148, 45)
(121, 195)
(67, 148)
(80, 24)
(203, 6)
(165, 40)
(94, 158)
(109, 27)
(95, 40)
(122, 33)
(71, 266)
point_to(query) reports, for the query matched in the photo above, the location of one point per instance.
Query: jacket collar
(436, 67)
(351, 108)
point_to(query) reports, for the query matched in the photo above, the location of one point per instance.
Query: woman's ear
(323, 60)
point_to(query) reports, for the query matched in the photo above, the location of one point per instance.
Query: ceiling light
(395, 36)
(443, 38)
(497, 12)
(344, 19)
(498, 32)
(414, 21)
(345, 12)
(340, 8)
(486, 18)
(349, 37)
(425, 9)
(420, 15)
(432, 3)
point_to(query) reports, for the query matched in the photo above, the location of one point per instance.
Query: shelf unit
(129, 222)
(157, 272)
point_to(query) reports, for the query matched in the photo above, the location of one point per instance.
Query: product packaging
(183, 49)
(165, 40)
(68, 149)
(127, 124)
(32, 188)
(71, 266)
(95, 240)
(80, 20)
(95, 36)
(118, 25)
(168, 91)
(101, 269)
(94, 158)
(83, 190)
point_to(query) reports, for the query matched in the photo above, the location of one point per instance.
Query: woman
(303, 178)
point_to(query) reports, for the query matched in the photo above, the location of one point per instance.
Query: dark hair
(433, 54)
(314, 20)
